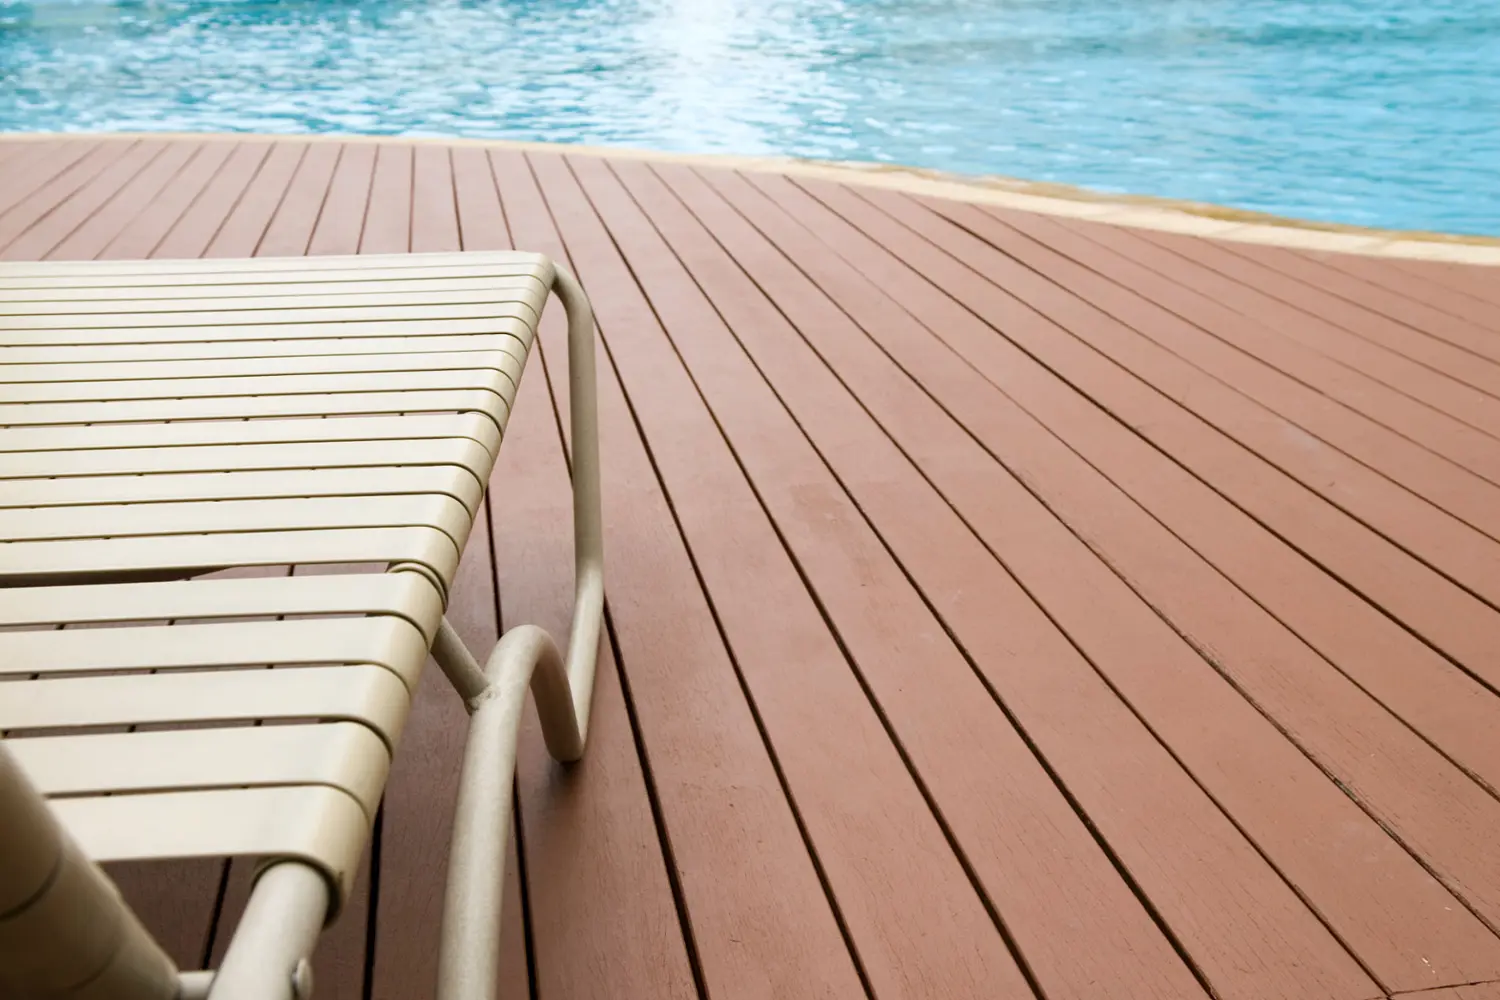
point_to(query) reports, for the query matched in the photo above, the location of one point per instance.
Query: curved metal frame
(526, 656)
(267, 959)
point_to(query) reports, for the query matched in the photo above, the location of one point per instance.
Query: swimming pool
(1372, 112)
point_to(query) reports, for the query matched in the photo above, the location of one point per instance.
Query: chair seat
(234, 495)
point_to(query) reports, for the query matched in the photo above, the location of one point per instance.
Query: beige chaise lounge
(173, 436)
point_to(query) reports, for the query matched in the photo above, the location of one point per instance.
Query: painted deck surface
(999, 605)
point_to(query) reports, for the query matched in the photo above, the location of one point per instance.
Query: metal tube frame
(526, 656)
(267, 959)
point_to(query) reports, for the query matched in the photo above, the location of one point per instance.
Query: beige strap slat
(84, 490)
(214, 516)
(35, 563)
(472, 426)
(315, 823)
(261, 305)
(465, 453)
(344, 755)
(406, 595)
(179, 351)
(372, 696)
(66, 334)
(352, 263)
(384, 641)
(420, 401)
(218, 320)
(502, 382)
(494, 358)
(170, 279)
(415, 287)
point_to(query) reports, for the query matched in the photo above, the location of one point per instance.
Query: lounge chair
(173, 436)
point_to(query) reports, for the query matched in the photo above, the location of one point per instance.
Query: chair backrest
(64, 929)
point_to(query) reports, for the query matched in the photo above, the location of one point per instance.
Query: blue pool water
(1373, 112)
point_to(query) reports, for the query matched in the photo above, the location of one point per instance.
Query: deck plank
(966, 954)
(1476, 283)
(1273, 667)
(603, 919)
(951, 551)
(1453, 620)
(1142, 659)
(1305, 336)
(290, 229)
(90, 238)
(1423, 288)
(244, 228)
(387, 227)
(197, 227)
(30, 172)
(30, 230)
(1376, 298)
(434, 202)
(1375, 424)
(1453, 548)
(1443, 357)
(760, 922)
(151, 221)
(342, 219)
(481, 220)
(1048, 688)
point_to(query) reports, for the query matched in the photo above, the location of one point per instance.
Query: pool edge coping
(1132, 211)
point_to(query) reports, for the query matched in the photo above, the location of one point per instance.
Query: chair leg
(526, 656)
(268, 958)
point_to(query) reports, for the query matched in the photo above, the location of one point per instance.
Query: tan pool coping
(1137, 211)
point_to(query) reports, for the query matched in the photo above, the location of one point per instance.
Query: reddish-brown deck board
(387, 227)
(481, 222)
(1405, 674)
(242, 231)
(434, 209)
(1373, 326)
(603, 921)
(89, 239)
(1473, 991)
(342, 218)
(1445, 615)
(761, 923)
(1241, 760)
(1477, 341)
(1169, 281)
(150, 222)
(31, 228)
(1473, 282)
(290, 227)
(1265, 376)
(887, 633)
(28, 176)
(1372, 755)
(1422, 288)
(1449, 545)
(673, 859)
(196, 228)
(1071, 717)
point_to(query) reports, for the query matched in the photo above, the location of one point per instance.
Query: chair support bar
(267, 960)
(526, 656)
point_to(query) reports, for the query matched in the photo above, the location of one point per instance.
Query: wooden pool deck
(999, 604)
